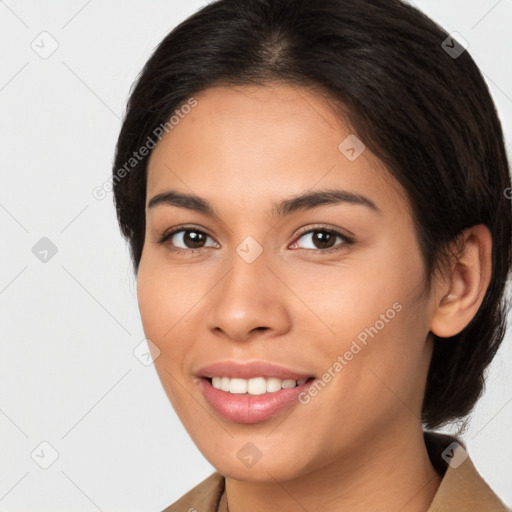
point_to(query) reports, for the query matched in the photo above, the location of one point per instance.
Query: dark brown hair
(413, 96)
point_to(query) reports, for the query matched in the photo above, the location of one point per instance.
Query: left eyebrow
(301, 202)
(315, 199)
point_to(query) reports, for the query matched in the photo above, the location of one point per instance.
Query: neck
(389, 472)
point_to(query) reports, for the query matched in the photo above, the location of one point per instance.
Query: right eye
(187, 239)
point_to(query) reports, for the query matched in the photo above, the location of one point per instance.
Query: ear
(460, 293)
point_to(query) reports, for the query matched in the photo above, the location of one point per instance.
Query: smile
(254, 386)
(247, 403)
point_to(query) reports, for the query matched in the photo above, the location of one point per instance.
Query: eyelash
(346, 240)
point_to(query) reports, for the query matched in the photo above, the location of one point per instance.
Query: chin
(245, 460)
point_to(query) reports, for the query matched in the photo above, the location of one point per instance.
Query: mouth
(251, 391)
(255, 386)
(254, 400)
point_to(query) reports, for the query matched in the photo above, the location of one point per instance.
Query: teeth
(257, 386)
(288, 383)
(273, 384)
(224, 383)
(254, 386)
(238, 386)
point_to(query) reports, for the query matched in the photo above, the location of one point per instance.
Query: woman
(315, 197)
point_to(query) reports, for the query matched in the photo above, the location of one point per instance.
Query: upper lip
(249, 370)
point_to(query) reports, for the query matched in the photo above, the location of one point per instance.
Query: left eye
(322, 239)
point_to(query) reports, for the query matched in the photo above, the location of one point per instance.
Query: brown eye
(188, 239)
(193, 239)
(322, 239)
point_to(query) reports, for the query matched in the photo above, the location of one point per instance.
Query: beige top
(462, 488)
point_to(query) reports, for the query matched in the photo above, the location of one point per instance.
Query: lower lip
(245, 408)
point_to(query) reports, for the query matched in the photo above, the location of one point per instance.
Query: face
(271, 290)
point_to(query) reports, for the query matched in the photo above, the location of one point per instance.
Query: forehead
(253, 140)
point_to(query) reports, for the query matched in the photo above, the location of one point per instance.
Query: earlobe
(463, 290)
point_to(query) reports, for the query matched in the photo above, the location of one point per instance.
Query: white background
(69, 326)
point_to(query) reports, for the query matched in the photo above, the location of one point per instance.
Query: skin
(358, 444)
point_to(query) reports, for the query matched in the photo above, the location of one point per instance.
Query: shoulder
(462, 487)
(204, 497)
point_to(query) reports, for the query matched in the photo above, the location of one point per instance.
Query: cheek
(161, 311)
(169, 299)
(341, 301)
(384, 376)
(379, 325)
(153, 303)
(160, 314)
(166, 296)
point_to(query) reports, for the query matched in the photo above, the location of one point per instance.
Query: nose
(248, 302)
